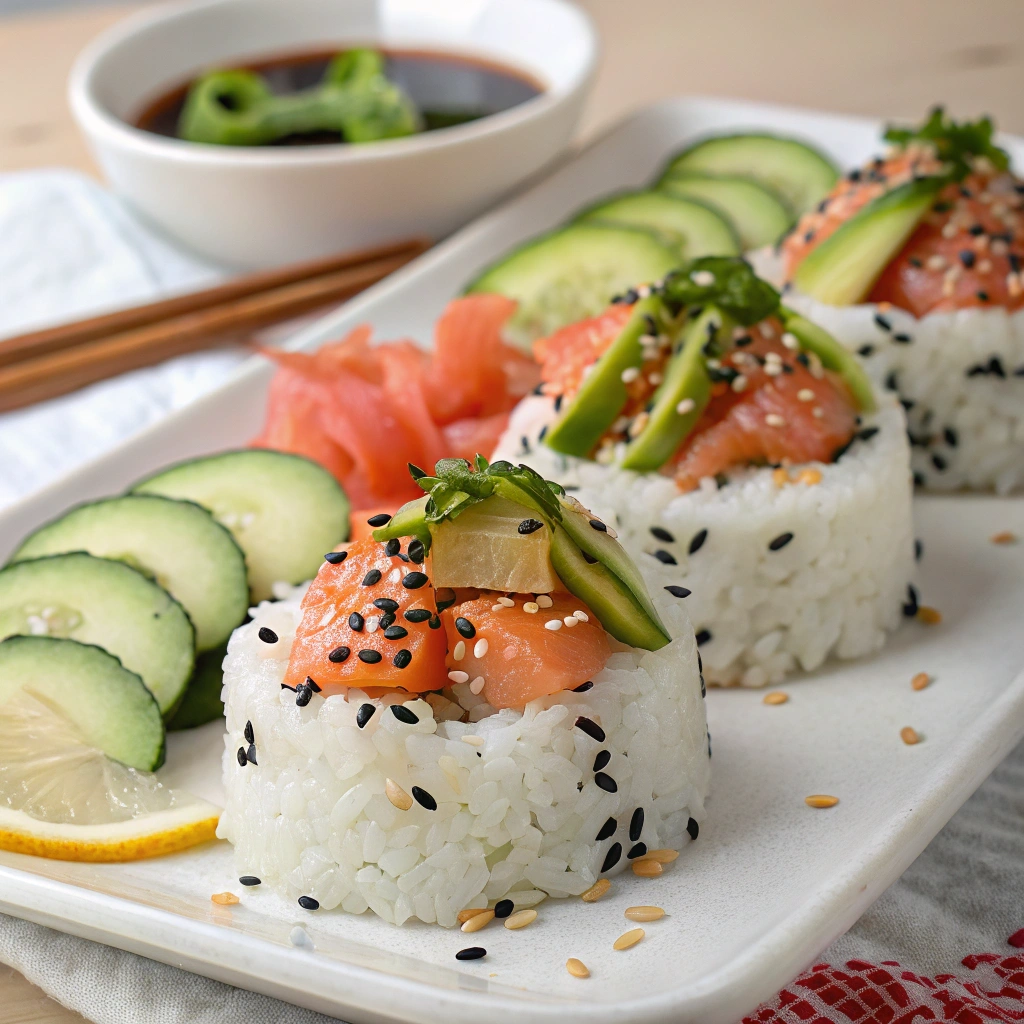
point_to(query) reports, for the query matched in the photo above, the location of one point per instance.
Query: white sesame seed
(773, 369)
(395, 575)
(817, 412)
(605, 454)
(646, 340)
(543, 601)
(458, 676)
(702, 278)
(949, 231)
(497, 607)
(620, 425)
(481, 647)
(477, 685)
(581, 615)
(805, 395)
(372, 623)
(985, 266)
(790, 341)
(459, 650)
(636, 428)
(739, 383)
(817, 370)
(643, 291)
(713, 364)
(531, 607)
(473, 741)
(630, 374)
(1013, 284)
(507, 602)
(571, 620)
(773, 419)
(935, 262)
(553, 624)
(654, 378)
(773, 357)
(687, 405)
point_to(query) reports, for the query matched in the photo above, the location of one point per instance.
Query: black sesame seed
(662, 534)
(703, 688)
(602, 759)
(338, 655)
(678, 591)
(250, 754)
(395, 633)
(588, 558)
(865, 350)
(503, 908)
(842, 450)
(891, 383)
(417, 615)
(392, 547)
(423, 798)
(403, 556)
(268, 636)
(336, 557)
(583, 687)
(249, 880)
(975, 229)
(665, 557)
(303, 695)
(911, 605)
(435, 622)
(698, 541)
(308, 903)
(967, 258)
(951, 437)
(312, 684)
(591, 728)
(867, 433)
(982, 296)
(636, 824)
(1015, 263)
(402, 658)
(919, 479)
(607, 830)
(242, 759)
(381, 519)
(372, 577)
(598, 525)
(414, 580)
(995, 367)
(404, 714)
(525, 442)
(780, 542)
(743, 341)
(700, 663)
(528, 526)
(883, 322)
(907, 403)
(356, 622)
(558, 403)
(387, 619)
(471, 953)
(692, 826)
(803, 359)
(465, 628)
(369, 657)
(248, 733)
(606, 782)
(543, 432)
(637, 851)
(364, 714)
(903, 339)
(855, 174)
(918, 550)
(612, 857)
(702, 636)
(416, 551)
(939, 462)
(915, 262)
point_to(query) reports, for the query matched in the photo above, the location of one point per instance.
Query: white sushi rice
(518, 808)
(835, 589)
(960, 376)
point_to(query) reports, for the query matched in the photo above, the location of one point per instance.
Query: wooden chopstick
(73, 364)
(52, 339)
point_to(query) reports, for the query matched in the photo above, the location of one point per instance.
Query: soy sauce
(448, 89)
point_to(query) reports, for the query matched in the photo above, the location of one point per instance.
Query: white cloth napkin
(67, 248)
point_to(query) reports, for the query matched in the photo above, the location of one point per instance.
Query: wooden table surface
(883, 57)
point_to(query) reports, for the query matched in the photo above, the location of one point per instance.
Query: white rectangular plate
(768, 884)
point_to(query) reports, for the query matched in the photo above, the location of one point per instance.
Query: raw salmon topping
(567, 355)
(515, 649)
(770, 405)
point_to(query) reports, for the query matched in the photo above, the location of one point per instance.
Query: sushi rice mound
(518, 809)
(763, 604)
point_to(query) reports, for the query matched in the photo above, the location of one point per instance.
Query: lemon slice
(62, 798)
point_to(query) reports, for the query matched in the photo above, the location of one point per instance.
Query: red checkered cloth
(990, 990)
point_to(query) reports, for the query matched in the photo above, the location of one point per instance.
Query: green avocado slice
(602, 394)
(686, 380)
(842, 269)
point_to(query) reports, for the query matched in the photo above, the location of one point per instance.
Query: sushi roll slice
(915, 261)
(744, 459)
(479, 702)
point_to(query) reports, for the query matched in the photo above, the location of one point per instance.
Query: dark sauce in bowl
(448, 89)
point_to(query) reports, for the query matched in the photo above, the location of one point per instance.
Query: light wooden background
(890, 58)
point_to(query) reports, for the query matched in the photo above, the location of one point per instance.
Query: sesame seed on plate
(308, 903)
(596, 891)
(647, 868)
(577, 968)
(477, 921)
(1005, 537)
(471, 953)
(424, 799)
(644, 913)
(776, 697)
(929, 616)
(224, 899)
(520, 919)
(821, 800)
(909, 735)
(628, 939)
(920, 681)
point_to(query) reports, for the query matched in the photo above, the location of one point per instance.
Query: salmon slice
(566, 355)
(516, 653)
(787, 410)
(364, 625)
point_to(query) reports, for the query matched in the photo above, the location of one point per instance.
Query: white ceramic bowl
(256, 207)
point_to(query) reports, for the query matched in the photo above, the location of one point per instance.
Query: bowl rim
(98, 123)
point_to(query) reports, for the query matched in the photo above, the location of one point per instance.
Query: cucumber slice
(799, 173)
(108, 704)
(107, 603)
(572, 273)
(284, 510)
(202, 703)
(177, 543)
(690, 229)
(842, 269)
(759, 216)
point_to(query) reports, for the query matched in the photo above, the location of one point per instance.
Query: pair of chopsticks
(54, 361)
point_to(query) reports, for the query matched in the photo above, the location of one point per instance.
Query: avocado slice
(842, 269)
(602, 394)
(409, 521)
(686, 378)
(833, 356)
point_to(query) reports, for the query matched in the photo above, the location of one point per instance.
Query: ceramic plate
(768, 884)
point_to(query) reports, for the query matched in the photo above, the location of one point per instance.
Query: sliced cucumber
(690, 229)
(842, 269)
(177, 543)
(109, 705)
(107, 603)
(799, 173)
(572, 273)
(284, 510)
(759, 216)
(202, 703)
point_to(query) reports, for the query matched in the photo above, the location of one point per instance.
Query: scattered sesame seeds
(471, 953)
(404, 714)
(936, 263)
(677, 591)
(369, 656)
(607, 830)
(773, 419)
(465, 627)
(416, 551)
(224, 899)
(392, 547)
(507, 602)
(821, 800)
(459, 650)
(381, 519)
(583, 687)
(503, 909)
(402, 659)
(336, 557)
(790, 341)
(597, 890)
(920, 681)
(417, 615)
(630, 374)
(414, 580)
(628, 939)
(423, 798)
(308, 903)
(929, 616)
(531, 607)
(473, 741)
(397, 795)
(809, 476)
(373, 624)
(553, 624)
(250, 736)
(636, 824)
(776, 697)
(687, 405)
(268, 636)
(637, 851)
(249, 880)
(602, 759)
(606, 782)
(665, 557)
(570, 621)
(644, 913)
(580, 615)
(647, 868)
(702, 278)
(478, 920)
(464, 915)
(805, 395)
(1005, 537)
(458, 676)
(591, 728)
(612, 857)
(577, 968)
(739, 383)
(477, 685)
(702, 636)
(338, 655)
(780, 542)
(692, 828)
(528, 526)
(909, 736)
(698, 541)
(543, 601)
(660, 533)
(364, 714)
(481, 647)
